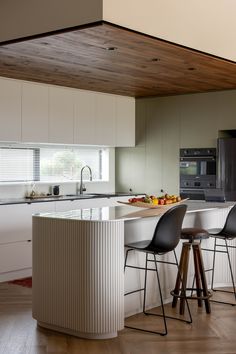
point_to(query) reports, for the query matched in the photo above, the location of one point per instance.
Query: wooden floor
(214, 333)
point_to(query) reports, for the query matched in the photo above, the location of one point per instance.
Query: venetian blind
(52, 163)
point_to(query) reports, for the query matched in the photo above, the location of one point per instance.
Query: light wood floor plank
(213, 333)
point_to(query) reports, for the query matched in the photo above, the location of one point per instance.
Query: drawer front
(16, 220)
(15, 256)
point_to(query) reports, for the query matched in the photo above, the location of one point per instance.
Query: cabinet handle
(29, 240)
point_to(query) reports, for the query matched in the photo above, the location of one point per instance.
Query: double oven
(197, 172)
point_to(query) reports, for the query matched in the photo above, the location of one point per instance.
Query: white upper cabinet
(35, 113)
(10, 110)
(61, 115)
(125, 121)
(84, 122)
(105, 119)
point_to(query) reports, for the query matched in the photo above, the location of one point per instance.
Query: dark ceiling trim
(172, 43)
(51, 33)
(98, 23)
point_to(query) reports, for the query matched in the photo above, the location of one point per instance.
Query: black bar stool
(165, 238)
(194, 237)
(222, 244)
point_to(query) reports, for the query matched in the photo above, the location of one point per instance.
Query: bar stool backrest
(168, 229)
(229, 229)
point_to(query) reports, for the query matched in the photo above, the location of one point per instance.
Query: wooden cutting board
(152, 206)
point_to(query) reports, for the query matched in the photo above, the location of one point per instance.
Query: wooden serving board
(43, 196)
(152, 206)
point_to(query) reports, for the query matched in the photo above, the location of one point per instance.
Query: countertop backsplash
(21, 190)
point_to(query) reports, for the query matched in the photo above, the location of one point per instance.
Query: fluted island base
(78, 276)
(76, 333)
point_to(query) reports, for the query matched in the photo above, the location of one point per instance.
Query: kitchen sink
(83, 196)
(98, 195)
(91, 195)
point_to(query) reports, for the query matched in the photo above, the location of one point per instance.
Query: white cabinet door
(16, 220)
(105, 111)
(61, 115)
(64, 205)
(35, 113)
(10, 110)
(84, 123)
(79, 204)
(15, 256)
(90, 203)
(125, 121)
(16, 236)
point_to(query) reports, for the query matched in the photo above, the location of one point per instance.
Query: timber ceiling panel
(138, 65)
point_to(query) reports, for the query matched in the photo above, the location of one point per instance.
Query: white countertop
(128, 212)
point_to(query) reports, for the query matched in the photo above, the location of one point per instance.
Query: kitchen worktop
(7, 201)
(126, 212)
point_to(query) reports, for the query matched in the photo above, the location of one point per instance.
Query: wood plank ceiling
(112, 59)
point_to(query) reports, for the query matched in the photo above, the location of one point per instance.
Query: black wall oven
(197, 172)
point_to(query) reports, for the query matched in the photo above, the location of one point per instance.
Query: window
(47, 164)
(65, 164)
(18, 165)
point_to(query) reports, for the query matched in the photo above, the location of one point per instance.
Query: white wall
(29, 17)
(207, 25)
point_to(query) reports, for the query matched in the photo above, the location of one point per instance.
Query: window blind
(50, 164)
(18, 165)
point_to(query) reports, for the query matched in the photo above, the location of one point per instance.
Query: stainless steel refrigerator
(226, 169)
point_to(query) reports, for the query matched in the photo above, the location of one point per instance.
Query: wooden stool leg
(178, 279)
(203, 277)
(186, 248)
(179, 275)
(197, 275)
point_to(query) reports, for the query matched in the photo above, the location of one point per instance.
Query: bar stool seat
(194, 237)
(194, 233)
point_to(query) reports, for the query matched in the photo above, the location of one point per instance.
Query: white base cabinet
(16, 237)
(88, 203)
(15, 256)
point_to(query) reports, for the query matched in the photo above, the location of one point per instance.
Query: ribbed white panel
(78, 275)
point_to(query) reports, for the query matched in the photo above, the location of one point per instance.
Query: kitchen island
(78, 257)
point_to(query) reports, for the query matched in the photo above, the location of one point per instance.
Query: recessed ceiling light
(111, 48)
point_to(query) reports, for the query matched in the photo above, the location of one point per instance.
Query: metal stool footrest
(192, 297)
